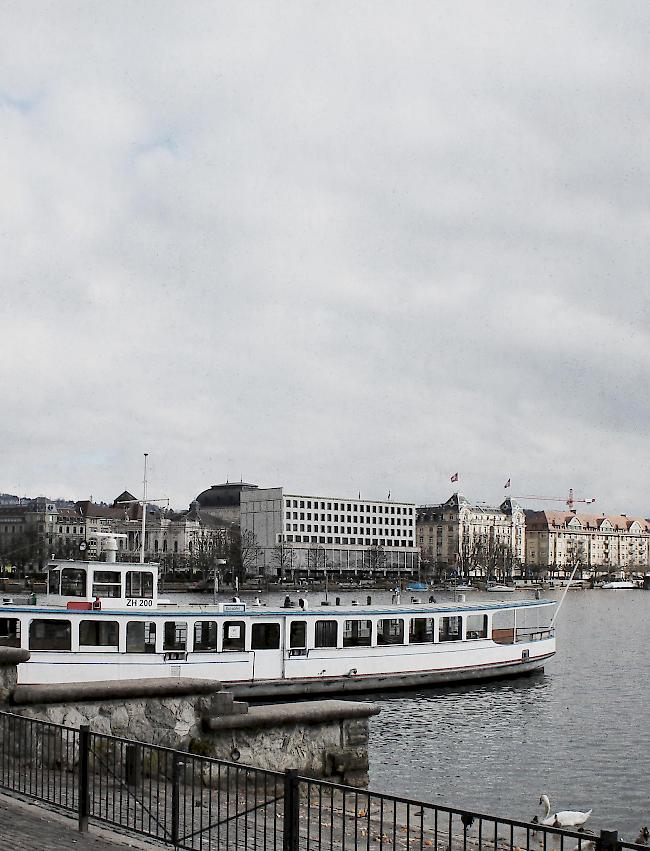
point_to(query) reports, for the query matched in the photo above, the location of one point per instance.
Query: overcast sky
(337, 247)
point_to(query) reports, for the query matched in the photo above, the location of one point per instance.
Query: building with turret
(471, 539)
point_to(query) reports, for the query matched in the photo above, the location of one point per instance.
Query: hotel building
(465, 536)
(602, 543)
(305, 534)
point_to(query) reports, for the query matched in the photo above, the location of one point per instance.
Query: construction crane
(570, 500)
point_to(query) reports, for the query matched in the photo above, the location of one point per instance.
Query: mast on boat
(143, 502)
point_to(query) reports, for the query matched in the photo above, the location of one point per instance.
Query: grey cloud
(333, 247)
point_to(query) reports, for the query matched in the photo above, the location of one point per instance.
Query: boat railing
(535, 633)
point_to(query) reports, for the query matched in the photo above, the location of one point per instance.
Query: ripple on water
(580, 732)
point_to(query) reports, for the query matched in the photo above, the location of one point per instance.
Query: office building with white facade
(299, 534)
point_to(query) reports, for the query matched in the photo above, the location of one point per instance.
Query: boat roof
(234, 610)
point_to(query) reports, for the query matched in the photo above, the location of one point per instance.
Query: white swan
(565, 818)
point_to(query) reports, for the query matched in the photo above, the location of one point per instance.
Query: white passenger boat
(620, 585)
(104, 621)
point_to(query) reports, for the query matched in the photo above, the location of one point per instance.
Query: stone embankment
(323, 738)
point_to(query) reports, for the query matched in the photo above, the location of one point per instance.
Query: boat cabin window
(141, 637)
(326, 634)
(98, 633)
(175, 635)
(476, 626)
(205, 635)
(107, 583)
(298, 635)
(73, 582)
(503, 627)
(9, 632)
(390, 631)
(234, 635)
(357, 633)
(265, 636)
(421, 630)
(53, 581)
(450, 629)
(139, 584)
(50, 635)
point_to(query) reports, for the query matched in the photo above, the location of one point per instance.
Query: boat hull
(304, 677)
(374, 684)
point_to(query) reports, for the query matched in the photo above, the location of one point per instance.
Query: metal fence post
(291, 824)
(177, 765)
(608, 841)
(83, 796)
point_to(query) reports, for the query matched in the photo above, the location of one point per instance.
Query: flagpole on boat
(568, 585)
(144, 508)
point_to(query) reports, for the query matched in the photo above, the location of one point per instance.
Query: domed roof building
(223, 501)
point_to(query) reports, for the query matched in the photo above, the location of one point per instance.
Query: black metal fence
(195, 802)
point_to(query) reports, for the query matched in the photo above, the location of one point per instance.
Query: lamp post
(219, 563)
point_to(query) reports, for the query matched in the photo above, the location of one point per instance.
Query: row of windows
(350, 507)
(335, 518)
(351, 530)
(210, 636)
(71, 582)
(325, 539)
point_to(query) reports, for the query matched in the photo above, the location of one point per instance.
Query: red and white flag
(454, 478)
(507, 484)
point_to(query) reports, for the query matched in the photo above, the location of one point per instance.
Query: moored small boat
(499, 588)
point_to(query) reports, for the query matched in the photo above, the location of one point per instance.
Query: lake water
(580, 732)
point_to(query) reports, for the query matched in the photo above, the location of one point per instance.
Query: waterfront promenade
(26, 826)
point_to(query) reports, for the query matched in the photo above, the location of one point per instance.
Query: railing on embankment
(195, 802)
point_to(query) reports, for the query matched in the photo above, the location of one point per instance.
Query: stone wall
(10, 658)
(324, 738)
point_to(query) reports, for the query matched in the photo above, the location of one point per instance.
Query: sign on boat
(104, 620)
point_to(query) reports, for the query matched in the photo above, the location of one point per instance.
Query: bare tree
(316, 558)
(208, 546)
(244, 554)
(376, 558)
(284, 557)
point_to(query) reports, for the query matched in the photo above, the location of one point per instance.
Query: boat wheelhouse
(104, 621)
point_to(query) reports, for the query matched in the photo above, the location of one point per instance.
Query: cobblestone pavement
(25, 826)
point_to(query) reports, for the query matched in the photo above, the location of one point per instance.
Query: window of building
(99, 633)
(73, 582)
(326, 634)
(421, 630)
(141, 637)
(205, 635)
(477, 626)
(50, 635)
(450, 629)
(357, 633)
(9, 632)
(53, 581)
(234, 635)
(390, 631)
(265, 636)
(107, 583)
